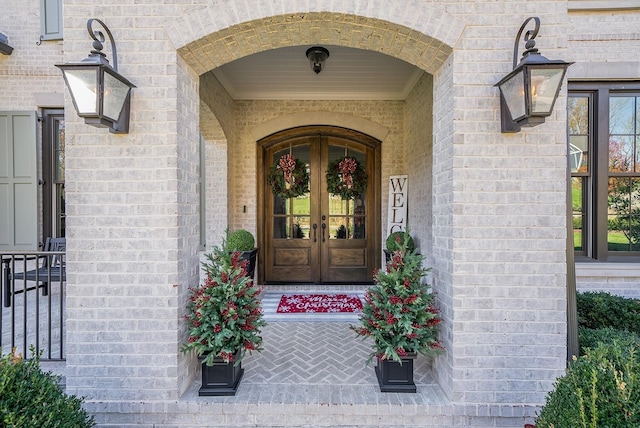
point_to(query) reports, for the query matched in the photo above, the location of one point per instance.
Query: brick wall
(216, 125)
(132, 217)
(508, 227)
(419, 141)
(28, 78)
(490, 211)
(443, 107)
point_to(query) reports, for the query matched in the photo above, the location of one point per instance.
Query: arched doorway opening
(319, 237)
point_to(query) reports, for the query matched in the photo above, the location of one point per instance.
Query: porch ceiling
(349, 74)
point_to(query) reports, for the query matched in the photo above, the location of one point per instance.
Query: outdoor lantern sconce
(317, 55)
(528, 93)
(100, 94)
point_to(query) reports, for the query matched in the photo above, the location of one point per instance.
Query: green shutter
(18, 181)
(51, 19)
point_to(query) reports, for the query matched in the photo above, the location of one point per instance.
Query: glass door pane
(291, 216)
(347, 217)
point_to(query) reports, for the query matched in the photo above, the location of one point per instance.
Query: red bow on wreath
(287, 164)
(347, 167)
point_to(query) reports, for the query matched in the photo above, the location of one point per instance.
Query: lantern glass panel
(545, 83)
(513, 92)
(83, 84)
(115, 94)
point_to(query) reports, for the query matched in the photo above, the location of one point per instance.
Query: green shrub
(591, 337)
(601, 309)
(395, 241)
(31, 398)
(600, 389)
(241, 240)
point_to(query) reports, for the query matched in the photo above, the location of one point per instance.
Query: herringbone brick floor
(316, 353)
(318, 358)
(315, 374)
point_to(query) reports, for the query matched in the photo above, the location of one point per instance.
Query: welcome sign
(397, 214)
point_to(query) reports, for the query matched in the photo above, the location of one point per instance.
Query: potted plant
(394, 240)
(401, 318)
(242, 241)
(224, 319)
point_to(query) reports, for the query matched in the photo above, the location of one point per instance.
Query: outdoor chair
(49, 268)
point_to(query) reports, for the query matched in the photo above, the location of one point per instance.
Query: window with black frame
(604, 155)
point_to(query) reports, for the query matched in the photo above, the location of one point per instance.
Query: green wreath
(346, 177)
(288, 177)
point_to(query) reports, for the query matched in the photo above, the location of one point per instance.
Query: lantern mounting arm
(529, 38)
(98, 41)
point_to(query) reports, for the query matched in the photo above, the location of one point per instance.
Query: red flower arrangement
(224, 316)
(399, 312)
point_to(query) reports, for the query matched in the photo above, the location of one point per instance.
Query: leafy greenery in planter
(601, 309)
(600, 389)
(241, 240)
(396, 241)
(399, 313)
(30, 398)
(224, 313)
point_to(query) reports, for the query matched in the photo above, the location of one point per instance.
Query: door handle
(324, 227)
(315, 230)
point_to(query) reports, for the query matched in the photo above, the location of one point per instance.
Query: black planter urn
(250, 256)
(396, 377)
(221, 378)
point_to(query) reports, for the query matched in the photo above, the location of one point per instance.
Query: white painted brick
(486, 209)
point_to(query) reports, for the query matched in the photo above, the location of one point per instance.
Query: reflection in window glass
(623, 134)
(621, 153)
(338, 228)
(624, 214)
(579, 147)
(301, 227)
(359, 219)
(578, 122)
(579, 214)
(280, 227)
(623, 202)
(59, 200)
(621, 115)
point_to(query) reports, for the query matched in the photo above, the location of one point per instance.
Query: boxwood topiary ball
(241, 240)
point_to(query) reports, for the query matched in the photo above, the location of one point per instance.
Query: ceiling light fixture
(317, 56)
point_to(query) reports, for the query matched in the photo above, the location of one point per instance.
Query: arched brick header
(419, 34)
(365, 126)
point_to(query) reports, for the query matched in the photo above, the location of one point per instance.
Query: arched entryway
(320, 237)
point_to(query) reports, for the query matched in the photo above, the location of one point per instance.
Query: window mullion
(601, 176)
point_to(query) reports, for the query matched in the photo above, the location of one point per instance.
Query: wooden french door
(320, 237)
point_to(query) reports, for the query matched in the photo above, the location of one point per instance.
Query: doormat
(319, 303)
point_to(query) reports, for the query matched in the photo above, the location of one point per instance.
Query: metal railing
(32, 315)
